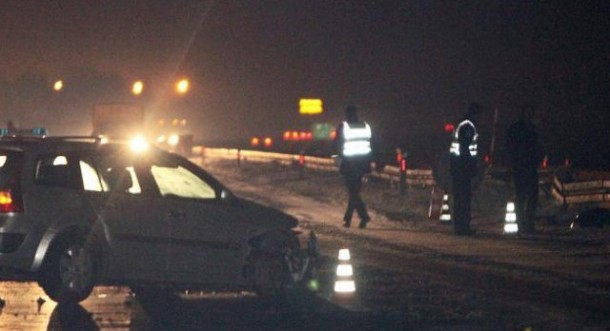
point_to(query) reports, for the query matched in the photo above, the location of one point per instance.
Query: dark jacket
(522, 145)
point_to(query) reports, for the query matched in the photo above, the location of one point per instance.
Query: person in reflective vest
(353, 145)
(525, 154)
(463, 162)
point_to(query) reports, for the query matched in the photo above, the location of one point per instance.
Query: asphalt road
(25, 307)
(406, 278)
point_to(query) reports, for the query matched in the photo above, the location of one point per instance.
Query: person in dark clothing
(524, 150)
(353, 145)
(463, 162)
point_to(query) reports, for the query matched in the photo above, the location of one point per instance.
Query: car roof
(38, 144)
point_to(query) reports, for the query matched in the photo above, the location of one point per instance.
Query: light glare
(173, 140)
(182, 86)
(58, 85)
(138, 144)
(137, 88)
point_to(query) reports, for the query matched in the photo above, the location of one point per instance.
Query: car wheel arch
(74, 231)
(83, 271)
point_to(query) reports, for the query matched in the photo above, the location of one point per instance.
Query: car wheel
(70, 271)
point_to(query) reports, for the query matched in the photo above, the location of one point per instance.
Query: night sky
(410, 66)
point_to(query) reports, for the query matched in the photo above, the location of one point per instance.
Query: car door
(207, 234)
(134, 222)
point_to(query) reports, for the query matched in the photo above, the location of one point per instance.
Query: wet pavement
(26, 307)
(116, 308)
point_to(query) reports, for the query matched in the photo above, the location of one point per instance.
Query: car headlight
(138, 144)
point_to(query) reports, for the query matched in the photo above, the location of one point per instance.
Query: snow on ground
(556, 279)
(404, 218)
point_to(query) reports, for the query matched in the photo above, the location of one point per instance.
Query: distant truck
(120, 120)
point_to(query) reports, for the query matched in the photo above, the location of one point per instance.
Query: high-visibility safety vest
(357, 140)
(455, 145)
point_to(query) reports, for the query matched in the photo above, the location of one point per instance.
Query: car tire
(70, 271)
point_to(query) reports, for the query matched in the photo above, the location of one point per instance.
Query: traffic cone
(445, 213)
(344, 281)
(510, 220)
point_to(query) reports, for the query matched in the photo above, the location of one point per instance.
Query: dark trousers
(353, 182)
(462, 196)
(526, 198)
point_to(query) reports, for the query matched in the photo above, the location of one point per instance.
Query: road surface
(410, 273)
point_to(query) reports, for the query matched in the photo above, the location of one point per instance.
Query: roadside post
(403, 174)
(436, 203)
(301, 164)
(238, 157)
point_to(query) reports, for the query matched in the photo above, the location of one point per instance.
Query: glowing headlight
(138, 144)
(103, 139)
(173, 140)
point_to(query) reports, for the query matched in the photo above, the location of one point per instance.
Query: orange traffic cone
(445, 213)
(510, 220)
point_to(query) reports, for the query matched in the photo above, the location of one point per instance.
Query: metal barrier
(421, 177)
(581, 192)
(569, 193)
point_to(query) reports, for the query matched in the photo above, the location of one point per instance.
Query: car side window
(91, 179)
(124, 179)
(175, 180)
(54, 171)
(118, 174)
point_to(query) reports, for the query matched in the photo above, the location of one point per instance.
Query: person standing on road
(353, 145)
(525, 154)
(463, 163)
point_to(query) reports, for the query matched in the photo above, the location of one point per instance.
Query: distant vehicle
(76, 212)
(127, 120)
(118, 120)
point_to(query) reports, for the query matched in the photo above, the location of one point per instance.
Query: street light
(137, 87)
(58, 85)
(182, 86)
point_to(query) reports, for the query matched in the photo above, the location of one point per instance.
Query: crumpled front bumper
(303, 265)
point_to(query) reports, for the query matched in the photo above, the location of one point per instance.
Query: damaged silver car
(76, 212)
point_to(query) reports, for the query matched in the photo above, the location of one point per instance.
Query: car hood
(267, 217)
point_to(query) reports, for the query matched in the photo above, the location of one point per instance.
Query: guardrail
(392, 174)
(581, 192)
(568, 193)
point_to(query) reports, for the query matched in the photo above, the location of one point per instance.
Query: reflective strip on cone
(344, 254)
(345, 286)
(345, 270)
